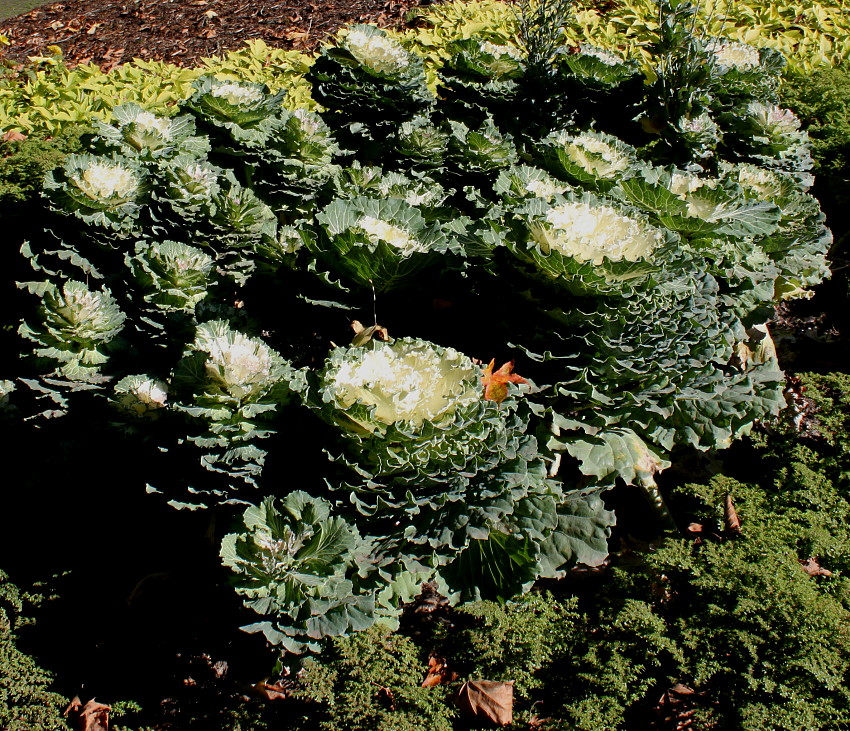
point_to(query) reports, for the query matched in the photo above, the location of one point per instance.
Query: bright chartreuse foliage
(49, 96)
(195, 273)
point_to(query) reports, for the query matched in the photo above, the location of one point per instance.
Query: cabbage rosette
(589, 245)
(370, 77)
(235, 385)
(140, 396)
(422, 143)
(739, 70)
(186, 187)
(481, 77)
(592, 159)
(173, 277)
(232, 105)
(105, 191)
(799, 246)
(296, 565)
(480, 149)
(410, 407)
(136, 131)
(371, 242)
(595, 68)
(768, 135)
(76, 324)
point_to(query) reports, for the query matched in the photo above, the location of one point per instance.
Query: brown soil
(110, 32)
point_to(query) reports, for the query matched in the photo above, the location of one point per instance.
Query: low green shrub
(24, 163)
(373, 682)
(26, 701)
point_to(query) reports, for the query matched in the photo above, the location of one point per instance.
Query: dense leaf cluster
(625, 240)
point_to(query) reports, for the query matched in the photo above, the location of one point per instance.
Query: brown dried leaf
(273, 691)
(813, 568)
(439, 671)
(13, 136)
(363, 335)
(93, 28)
(675, 708)
(730, 516)
(488, 700)
(92, 716)
(680, 689)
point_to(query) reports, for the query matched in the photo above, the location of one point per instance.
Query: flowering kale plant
(622, 240)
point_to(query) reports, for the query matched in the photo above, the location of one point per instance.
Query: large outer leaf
(581, 536)
(608, 454)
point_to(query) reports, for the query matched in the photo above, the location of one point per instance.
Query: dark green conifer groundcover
(223, 451)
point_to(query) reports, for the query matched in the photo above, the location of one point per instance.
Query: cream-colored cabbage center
(238, 361)
(595, 233)
(377, 230)
(379, 53)
(236, 94)
(147, 122)
(409, 382)
(737, 55)
(101, 181)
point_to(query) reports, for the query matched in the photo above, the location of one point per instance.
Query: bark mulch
(110, 32)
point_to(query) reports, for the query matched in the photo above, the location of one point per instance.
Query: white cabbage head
(141, 395)
(242, 365)
(740, 56)
(596, 232)
(237, 94)
(377, 230)
(408, 380)
(377, 51)
(103, 181)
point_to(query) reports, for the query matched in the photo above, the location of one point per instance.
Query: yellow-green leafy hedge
(47, 95)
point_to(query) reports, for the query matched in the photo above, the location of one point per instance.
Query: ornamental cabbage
(136, 131)
(593, 159)
(75, 326)
(410, 406)
(141, 396)
(375, 243)
(103, 191)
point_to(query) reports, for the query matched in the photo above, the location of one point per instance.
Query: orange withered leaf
(496, 382)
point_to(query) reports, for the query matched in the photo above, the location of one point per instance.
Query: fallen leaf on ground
(813, 568)
(730, 516)
(273, 691)
(439, 671)
(488, 700)
(13, 136)
(92, 716)
(496, 382)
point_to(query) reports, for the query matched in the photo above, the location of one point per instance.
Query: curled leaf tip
(496, 382)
